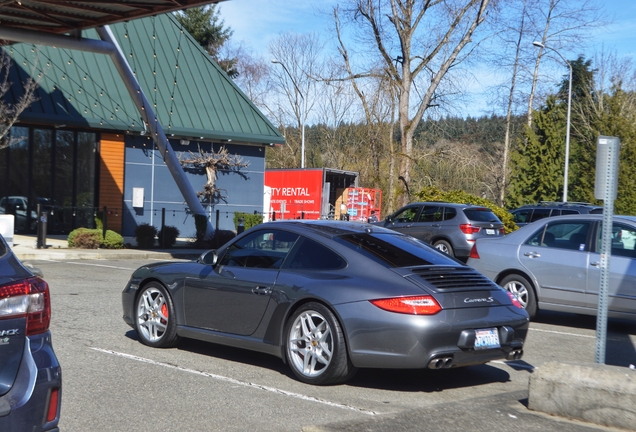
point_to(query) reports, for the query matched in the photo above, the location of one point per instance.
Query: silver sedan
(554, 264)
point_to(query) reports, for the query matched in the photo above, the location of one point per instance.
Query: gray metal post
(607, 163)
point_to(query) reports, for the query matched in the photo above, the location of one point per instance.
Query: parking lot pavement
(503, 412)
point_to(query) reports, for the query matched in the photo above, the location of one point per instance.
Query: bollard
(42, 222)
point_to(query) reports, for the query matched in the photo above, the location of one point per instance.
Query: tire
(155, 319)
(315, 346)
(445, 247)
(523, 289)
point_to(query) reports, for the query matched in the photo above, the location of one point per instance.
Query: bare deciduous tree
(212, 162)
(413, 38)
(9, 112)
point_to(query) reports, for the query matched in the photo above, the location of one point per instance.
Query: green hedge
(250, 220)
(86, 238)
(145, 235)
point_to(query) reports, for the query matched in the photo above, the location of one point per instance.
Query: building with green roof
(83, 145)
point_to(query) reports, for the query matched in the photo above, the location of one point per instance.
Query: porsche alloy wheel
(316, 348)
(155, 317)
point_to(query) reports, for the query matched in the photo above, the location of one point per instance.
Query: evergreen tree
(206, 27)
(537, 163)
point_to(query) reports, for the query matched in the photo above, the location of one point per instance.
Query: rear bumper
(392, 340)
(26, 405)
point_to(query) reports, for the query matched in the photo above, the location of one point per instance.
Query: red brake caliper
(164, 311)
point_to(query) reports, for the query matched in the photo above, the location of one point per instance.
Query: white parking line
(238, 382)
(90, 264)
(563, 333)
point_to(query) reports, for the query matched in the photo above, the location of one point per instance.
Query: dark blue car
(30, 375)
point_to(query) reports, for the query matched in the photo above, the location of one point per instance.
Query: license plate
(486, 339)
(490, 232)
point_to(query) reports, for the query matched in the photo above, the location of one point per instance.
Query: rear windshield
(481, 215)
(3, 248)
(394, 250)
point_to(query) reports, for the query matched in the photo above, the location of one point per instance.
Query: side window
(562, 235)
(260, 249)
(406, 215)
(431, 214)
(449, 213)
(623, 240)
(540, 214)
(567, 212)
(522, 216)
(311, 255)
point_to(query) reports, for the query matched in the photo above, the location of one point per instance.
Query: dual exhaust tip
(515, 354)
(441, 363)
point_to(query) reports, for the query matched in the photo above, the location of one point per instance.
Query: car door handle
(261, 290)
(437, 225)
(595, 264)
(532, 254)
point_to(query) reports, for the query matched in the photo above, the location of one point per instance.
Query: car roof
(554, 204)
(615, 218)
(449, 204)
(331, 227)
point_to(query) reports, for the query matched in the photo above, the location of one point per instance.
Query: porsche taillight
(27, 298)
(416, 305)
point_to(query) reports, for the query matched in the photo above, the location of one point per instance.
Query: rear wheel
(155, 318)
(521, 288)
(316, 348)
(444, 246)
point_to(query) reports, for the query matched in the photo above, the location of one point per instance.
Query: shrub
(113, 240)
(168, 234)
(99, 221)
(73, 234)
(461, 197)
(249, 220)
(88, 239)
(145, 235)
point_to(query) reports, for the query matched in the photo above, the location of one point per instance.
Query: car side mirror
(389, 219)
(208, 258)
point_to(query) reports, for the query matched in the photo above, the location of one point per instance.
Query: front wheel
(521, 288)
(316, 348)
(155, 318)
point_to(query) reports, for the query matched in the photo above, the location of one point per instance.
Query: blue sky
(256, 22)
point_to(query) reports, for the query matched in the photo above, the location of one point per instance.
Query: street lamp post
(567, 133)
(302, 135)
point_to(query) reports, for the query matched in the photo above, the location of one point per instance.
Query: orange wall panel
(111, 179)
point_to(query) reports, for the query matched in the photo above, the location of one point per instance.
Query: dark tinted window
(394, 250)
(406, 215)
(449, 213)
(540, 214)
(597, 211)
(260, 249)
(565, 212)
(431, 214)
(481, 215)
(311, 255)
(522, 216)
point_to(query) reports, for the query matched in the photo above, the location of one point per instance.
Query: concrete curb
(123, 255)
(596, 393)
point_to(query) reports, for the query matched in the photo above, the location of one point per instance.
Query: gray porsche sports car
(329, 297)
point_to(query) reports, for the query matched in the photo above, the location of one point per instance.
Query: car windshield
(481, 215)
(394, 250)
